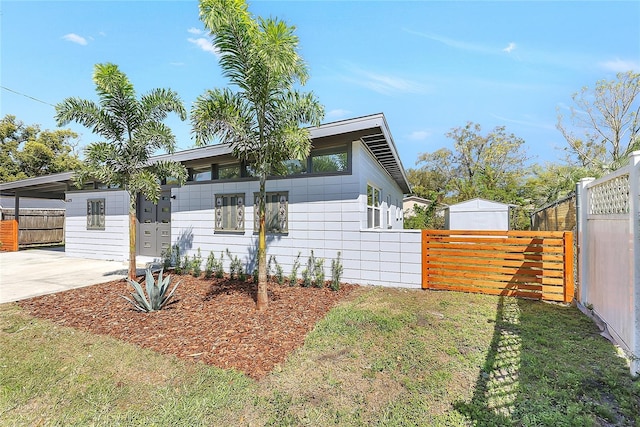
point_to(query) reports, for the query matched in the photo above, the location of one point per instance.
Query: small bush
(156, 297)
(196, 264)
(313, 273)
(293, 277)
(176, 260)
(318, 273)
(278, 270)
(336, 273)
(186, 265)
(236, 269)
(218, 267)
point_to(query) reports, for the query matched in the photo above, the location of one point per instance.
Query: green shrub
(218, 267)
(196, 264)
(278, 270)
(156, 296)
(176, 260)
(336, 273)
(236, 269)
(186, 265)
(313, 274)
(293, 277)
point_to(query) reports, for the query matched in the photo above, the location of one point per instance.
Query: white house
(477, 214)
(345, 197)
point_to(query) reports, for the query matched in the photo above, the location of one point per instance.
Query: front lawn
(381, 357)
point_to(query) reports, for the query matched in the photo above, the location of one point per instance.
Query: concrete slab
(32, 272)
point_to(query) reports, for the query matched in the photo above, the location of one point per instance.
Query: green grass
(386, 357)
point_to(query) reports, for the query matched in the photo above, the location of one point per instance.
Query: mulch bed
(210, 320)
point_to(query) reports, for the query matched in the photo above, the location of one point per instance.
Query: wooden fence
(525, 264)
(557, 216)
(9, 235)
(38, 226)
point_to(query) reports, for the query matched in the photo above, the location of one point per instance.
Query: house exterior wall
(326, 214)
(112, 243)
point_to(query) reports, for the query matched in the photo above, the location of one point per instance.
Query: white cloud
(337, 114)
(509, 48)
(419, 135)
(195, 31)
(205, 44)
(620, 66)
(74, 38)
(385, 84)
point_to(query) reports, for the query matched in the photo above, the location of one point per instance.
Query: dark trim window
(276, 213)
(202, 173)
(373, 207)
(229, 212)
(330, 160)
(95, 214)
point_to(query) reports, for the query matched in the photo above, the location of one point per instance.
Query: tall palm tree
(133, 131)
(261, 118)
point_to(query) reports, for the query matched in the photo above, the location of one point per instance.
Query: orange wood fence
(9, 235)
(529, 264)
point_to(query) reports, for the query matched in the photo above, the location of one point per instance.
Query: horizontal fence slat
(490, 255)
(498, 278)
(476, 269)
(513, 233)
(460, 260)
(494, 247)
(500, 240)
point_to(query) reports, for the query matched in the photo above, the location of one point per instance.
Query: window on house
(229, 212)
(373, 207)
(200, 173)
(229, 171)
(276, 213)
(329, 160)
(95, 214)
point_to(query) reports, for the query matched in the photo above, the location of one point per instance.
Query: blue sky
(429, 66)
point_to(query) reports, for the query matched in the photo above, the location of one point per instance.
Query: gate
(9, 235)
(528, 264)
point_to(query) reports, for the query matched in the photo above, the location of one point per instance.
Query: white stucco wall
(112, 243)
(327, 214)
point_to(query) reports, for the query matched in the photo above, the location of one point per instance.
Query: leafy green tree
(26, 151)
(133, 130)
(604, 124)
(261, 118)
(489, 166)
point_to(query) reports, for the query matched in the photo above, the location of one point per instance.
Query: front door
(154, 225)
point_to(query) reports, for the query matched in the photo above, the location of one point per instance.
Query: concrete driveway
(32, 272)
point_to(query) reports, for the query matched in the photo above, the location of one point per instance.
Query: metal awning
(42, 187)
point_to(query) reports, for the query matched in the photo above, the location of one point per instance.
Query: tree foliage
(26, 151)
(490, 166)
(132, 131)
(261, 115)
(604, 126)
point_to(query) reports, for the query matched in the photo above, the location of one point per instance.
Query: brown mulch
(209, 320)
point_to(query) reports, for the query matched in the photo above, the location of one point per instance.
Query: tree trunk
(262, 299)
(132, 236)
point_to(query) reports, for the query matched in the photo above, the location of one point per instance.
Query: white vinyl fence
(609, 253)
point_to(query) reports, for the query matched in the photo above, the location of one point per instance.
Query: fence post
(425, 271)
(567, 239)
(582, 213)
(634, 224)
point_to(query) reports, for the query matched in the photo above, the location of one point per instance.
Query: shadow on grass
(497, 385)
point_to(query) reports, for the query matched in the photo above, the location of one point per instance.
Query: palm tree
(261, 119)
(133, 131)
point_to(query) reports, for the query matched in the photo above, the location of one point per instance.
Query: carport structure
(43, 187)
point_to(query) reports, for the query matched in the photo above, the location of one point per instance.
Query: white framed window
(229, 212)
(276, 212)
(373, 207)
(95, 214)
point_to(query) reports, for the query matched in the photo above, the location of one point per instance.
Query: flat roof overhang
(372, 130)
(42, 187)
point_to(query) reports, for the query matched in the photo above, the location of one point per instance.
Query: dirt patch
(211, 320)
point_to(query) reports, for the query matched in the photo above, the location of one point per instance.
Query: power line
(26, 96)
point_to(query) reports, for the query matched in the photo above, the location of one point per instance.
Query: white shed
(477, 214)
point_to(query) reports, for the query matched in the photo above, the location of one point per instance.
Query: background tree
(604, 124)
(261, 119)
(490, 166)
(26, 151)
(133, 131)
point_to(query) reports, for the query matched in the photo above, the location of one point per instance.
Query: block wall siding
(112, 243)
(326, 214)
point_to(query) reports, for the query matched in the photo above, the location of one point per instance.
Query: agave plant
(156, 292)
